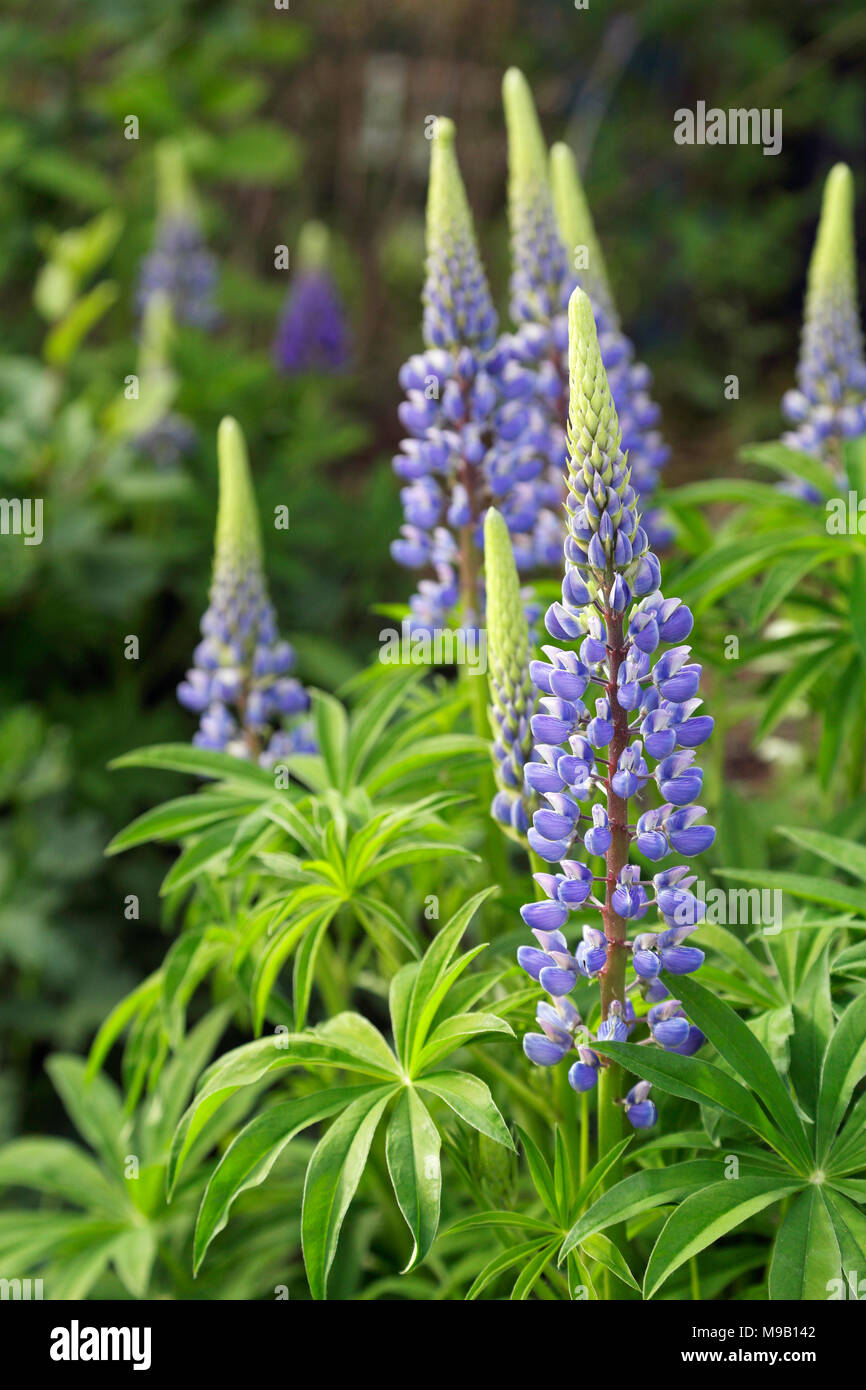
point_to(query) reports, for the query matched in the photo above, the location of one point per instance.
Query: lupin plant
(588, 767)
(312, 334)
(240, 682)
(829, 404)
(466, 413)
(555, 249)
(513, 698)
(179, 265)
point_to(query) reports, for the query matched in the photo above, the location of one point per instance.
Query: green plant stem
(610, 1128)
(565, 1104)
(694, 1280)
(584, 1135)
(494, 840)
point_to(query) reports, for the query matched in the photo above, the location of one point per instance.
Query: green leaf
(790, 462)
(202, 854)
(252, 1154)
(849, 1225)
(372, 718)
(805, 1253)
(520, 1254)
(599, 1171)
(796, 681)
(202, 762)
(507, 1220)
(333, 1175)
(602, 1249)
(539, 1171)
(844, 1065)
(278, 950)
(704, 1217)
(132, 1255)
(743, 1052)
(94, 1107)
(427, 989)
(845, 854)
(61, 1169)
(809, 886)
(532, 1272)
(813, 1025)
(642, 1192)
(469, 1098)
(412, 1153)
(697, 1080)
(177, 818)
(332, 733)
(456, 1031)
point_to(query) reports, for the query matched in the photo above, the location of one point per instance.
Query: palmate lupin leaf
(816, 1166)
(424, 1035)
(512, 695)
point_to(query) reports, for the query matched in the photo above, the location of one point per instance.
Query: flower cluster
(549, 213)
(513, 698)
(466, 413)
(590, 760)
(240, 682)
(179, 265)
(312, 334)
(829, 405)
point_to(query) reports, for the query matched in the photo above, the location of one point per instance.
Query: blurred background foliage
(318, 110)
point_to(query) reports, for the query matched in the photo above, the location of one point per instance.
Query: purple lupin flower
(179, 265)
(555, 249)
(465, 415)
(829, 405)
(240, 682)
(599, 753)
(312, 334)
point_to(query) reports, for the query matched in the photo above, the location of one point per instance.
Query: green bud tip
(591, 412)
(576, 228)
(507, 628)
(174, 191)
(238, 538)
(834, 256)
(527, 151)
(313, 246)
(447, 205)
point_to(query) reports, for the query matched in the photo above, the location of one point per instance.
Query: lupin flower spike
(551, 231)
(180, 264)
(240, 682)
(830, 404)
(160, 433)
(465, 413)
(312, 334)
(588, 766)
(513, 698)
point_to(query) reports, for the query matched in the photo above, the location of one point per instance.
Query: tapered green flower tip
(527, 152)
(447, 205)
(576, 228)
(237, 532)
(834, 252)
(507, 628)
(174, 191)
(593, 426)
(313, 246)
